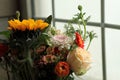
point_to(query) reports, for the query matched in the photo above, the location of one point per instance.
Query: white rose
(79, 60)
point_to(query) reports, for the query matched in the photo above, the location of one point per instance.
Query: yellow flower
(41, 24)
(14, 24)
(29, 24)
(79, 60)
(24, 25)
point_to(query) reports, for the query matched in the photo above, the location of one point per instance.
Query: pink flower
(60, 39)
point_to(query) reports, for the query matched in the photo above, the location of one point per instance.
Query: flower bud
(80, 7)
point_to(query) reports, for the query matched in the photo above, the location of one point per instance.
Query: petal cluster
(79, 40)
(29, 24)
(79, 60)
(62, 69)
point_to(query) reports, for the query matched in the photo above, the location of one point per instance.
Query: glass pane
(43, 8)
(69, 8)
(3, 25)
(95, 73)
(112, 11)
(113, 54)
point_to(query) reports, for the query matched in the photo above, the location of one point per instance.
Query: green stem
(88, 45)
(29, 58)
(84, 37)
(61, 78)
(29, 65)
(7, 71)
(30, 72)
(26, 72)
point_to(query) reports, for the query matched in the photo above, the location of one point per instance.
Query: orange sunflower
(29, 24)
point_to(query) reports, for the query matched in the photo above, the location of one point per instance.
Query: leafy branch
(80, 20)
(91, 36)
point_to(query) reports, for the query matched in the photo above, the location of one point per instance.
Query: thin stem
(26, 71)
(84, 37)
(88, 45)
(7, 71)
(61, 78)
(30, 71)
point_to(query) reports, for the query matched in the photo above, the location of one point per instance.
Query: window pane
(65, 9)
(113, 54)
(3, 25)
(95, 73)
(43, 8)
(112, 11)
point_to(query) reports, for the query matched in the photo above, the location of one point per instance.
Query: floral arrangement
(35, 50)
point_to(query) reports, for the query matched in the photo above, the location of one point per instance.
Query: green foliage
(91, 36)
(48, 19)
(81, 22)
(69, 29)
(5, 33)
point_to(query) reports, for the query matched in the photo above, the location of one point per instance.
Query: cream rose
(79, 60)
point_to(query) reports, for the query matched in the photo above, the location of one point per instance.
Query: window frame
(102, 24)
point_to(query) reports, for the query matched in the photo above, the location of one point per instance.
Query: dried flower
(48, 59)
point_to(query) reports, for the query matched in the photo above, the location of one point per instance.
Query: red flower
(3, 49)
(62, 69)
(79, 41)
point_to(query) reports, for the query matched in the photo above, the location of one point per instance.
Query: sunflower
(29, 24)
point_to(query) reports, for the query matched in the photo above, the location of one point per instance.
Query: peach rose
(79, 60)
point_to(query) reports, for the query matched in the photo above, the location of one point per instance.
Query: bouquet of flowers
(35, 50)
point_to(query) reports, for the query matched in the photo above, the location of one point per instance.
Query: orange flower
(14, 24)
(62, 69)
(29, 24)
(41, 24)
(79, 40)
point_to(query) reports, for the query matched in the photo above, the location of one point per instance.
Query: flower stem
(7, 71)
(88, 45)
(84, 24)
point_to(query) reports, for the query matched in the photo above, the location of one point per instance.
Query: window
(104, 21)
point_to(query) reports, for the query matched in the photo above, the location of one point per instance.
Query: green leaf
(48, 19)
(5, 33)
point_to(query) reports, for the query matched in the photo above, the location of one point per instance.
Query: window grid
(102, 25)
